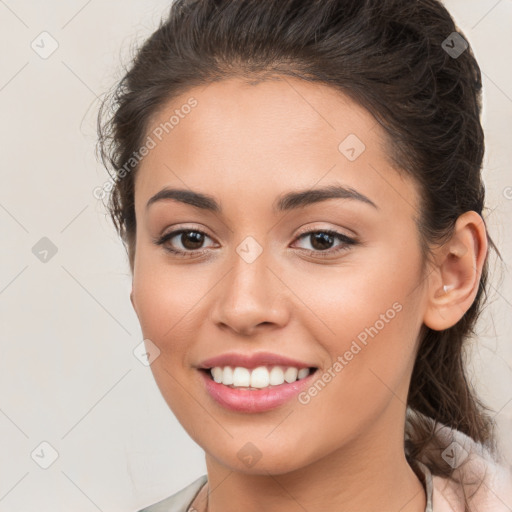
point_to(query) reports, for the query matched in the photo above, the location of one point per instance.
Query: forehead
(281, 133)
(241, 117)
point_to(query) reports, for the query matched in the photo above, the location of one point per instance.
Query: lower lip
(254, 400)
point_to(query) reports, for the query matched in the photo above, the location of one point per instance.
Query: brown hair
(391, 57)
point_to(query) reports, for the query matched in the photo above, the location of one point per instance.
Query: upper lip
(252, 361)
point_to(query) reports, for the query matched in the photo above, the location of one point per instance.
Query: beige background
(68, 376)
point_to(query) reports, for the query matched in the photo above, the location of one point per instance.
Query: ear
(454, 282)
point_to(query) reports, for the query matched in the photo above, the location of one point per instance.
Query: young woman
(298, 187)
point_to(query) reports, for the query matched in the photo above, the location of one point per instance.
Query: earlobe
(454, 283)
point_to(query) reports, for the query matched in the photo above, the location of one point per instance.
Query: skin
(246, 145)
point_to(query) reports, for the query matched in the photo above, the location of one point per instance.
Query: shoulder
(180, 501)
(487, 482)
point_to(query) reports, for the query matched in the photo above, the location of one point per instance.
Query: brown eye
(191, 239)
(183, 242)
(322, 242)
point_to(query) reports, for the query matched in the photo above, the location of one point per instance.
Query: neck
(370, 473)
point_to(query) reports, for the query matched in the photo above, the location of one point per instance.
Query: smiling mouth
(261, 377)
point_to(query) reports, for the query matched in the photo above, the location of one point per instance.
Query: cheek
(371, 358)
(372, 312)
(166, 296)
(379, 288)
(165, 301)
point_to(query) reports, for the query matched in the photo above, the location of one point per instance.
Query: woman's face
(349, 305)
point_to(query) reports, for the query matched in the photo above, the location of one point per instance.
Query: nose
(251, 298)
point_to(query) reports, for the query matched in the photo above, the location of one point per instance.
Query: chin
(259, 457)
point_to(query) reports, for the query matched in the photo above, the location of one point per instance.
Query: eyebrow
(289, 201)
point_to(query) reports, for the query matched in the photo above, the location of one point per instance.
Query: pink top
(487, 481)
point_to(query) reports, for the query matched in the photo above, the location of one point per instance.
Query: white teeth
(276, 376)
(241, 377)
(217, 374)
(290, 375)
(303, 372)
(259, 377)
(227, 376)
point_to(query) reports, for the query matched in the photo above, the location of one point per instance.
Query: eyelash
(190, 254)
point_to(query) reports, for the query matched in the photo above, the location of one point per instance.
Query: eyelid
(163, 239)
(302, 231)
(313, 229)
(346, 241)
(184, 227)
